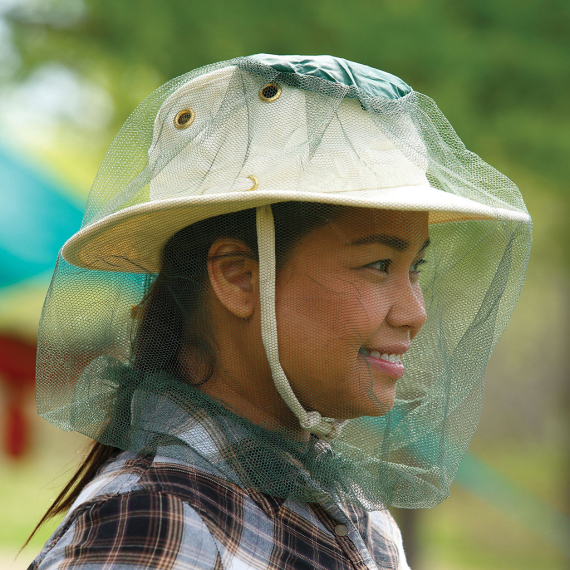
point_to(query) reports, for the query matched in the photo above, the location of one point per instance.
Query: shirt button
(340, 530)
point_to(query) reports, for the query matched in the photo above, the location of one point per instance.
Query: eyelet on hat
(255, 183)
(270, 92)
(184, 118)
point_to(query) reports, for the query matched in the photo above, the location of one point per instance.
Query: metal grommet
(270, 92)
(341, 530)
(255, 183)
(184, 118)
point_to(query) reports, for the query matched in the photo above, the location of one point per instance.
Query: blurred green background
(72, 70)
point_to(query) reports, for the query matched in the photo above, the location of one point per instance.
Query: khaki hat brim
(131, 240)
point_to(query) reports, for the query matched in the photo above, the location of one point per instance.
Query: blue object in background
(36, 218)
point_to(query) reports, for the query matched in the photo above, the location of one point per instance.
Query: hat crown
(235, 135)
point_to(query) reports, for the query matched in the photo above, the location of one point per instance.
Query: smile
(389, 363)
(393, 358)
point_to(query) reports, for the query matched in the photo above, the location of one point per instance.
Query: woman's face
(348, 305)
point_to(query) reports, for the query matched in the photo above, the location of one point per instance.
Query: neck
(242, 379)
(253, 397)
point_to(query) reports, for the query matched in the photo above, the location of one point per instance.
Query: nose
(408, 308)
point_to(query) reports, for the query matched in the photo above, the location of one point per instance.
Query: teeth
(393, 358)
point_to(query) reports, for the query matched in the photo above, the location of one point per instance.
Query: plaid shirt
(156, 512)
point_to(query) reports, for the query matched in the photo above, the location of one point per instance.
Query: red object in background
(17, 374)
(17, 437)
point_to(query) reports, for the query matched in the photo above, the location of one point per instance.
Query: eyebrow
(394, 242)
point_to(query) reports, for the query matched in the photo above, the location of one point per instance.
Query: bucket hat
(201, 166)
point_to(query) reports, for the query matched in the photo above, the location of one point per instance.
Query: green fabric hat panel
(373, 82)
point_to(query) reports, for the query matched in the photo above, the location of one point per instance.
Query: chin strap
(327, 428)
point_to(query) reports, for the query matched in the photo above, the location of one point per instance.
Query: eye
(382, 265)
(416, 266)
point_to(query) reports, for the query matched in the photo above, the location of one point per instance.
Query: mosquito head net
(291, 274)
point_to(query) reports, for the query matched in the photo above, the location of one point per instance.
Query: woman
(275, 321)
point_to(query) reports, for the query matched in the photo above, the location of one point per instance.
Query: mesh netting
(291, 274)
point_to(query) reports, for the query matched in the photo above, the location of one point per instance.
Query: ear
(234, 276)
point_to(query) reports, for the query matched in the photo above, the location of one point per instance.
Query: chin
(374, 405)
(375, 408)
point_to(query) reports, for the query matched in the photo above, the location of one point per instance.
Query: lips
(388, 362)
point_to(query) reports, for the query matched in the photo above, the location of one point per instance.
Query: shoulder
(154, 476)
(134, 514)
(139, 529)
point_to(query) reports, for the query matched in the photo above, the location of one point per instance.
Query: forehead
(358, 226)
(355, 230)
(357, 223)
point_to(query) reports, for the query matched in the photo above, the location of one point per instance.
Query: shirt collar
(221, 445)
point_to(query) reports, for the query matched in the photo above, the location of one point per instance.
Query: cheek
(325, 321)
(301, 315)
